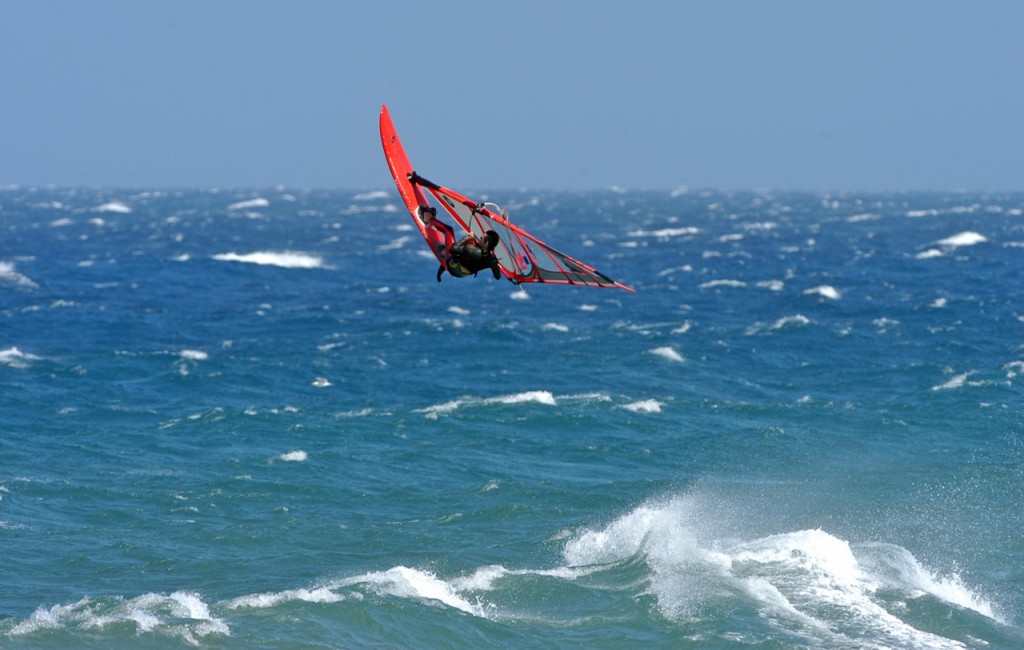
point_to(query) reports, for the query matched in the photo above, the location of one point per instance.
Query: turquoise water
(253, 419)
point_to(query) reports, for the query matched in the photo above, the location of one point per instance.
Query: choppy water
(254, 420)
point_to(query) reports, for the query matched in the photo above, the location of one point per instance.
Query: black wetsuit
(466, 257)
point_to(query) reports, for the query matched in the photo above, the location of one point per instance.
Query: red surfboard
(411, 193)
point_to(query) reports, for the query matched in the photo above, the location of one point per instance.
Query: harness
(455, 267)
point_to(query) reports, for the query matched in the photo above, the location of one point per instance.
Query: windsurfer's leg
(449, 233)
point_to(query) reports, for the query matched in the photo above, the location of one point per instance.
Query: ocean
(253, 419)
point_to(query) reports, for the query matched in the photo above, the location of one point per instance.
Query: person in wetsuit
(467, 257)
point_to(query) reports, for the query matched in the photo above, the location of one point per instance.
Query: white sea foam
(286, 260)
(405, 582)
(825, 291)
(15, 358)
(532, 396)
(1014, 369)
(554, 327)
(181, 614)
(295, 456)
(376, 195)
(535, 396)
(664, 233)
(772, 285)
(644, 406)
(968, 238)
(714, 284)
(249, 204)
(954, 382)
(668, 353)
(194, 355)
(683, 329)
(784, 323)
(265, 600)
(395, 244)
(113, 206)
(8, 273)
(858, 218)
(807, 580)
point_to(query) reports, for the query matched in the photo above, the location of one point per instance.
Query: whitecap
(181, 614)
(772, 285)
(683, 329)
(968, 238)
(286, 260)
(113, 206)
(825, 291)
(668, 353)
(786, 322)
(957, 381)
(433, 412)
(194, 355)
(858, 218)
(664, 233)
(712, 284)
(554, 327)
(375, 195)
(894, 566)
(535, 396)
(8, 273)
(397, 243)
(406, 582)
(295, 456)
(1014, 369)
(271, 599)
(644, 406)
(15, 358)
(532, 396)
(808, 580)
(249, 204)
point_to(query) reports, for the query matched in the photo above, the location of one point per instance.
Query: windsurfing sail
(522, 257)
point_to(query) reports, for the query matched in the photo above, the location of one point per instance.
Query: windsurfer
(467, 257)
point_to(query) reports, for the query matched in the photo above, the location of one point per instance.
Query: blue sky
(731, 94)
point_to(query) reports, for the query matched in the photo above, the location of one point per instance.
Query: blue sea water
(253, 419)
